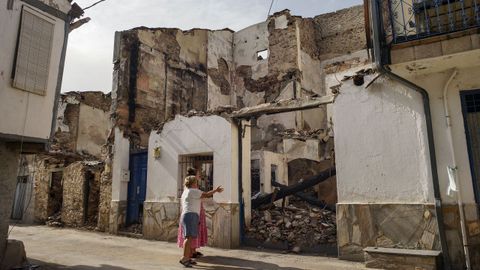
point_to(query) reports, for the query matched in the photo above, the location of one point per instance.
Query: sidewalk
(73, 249)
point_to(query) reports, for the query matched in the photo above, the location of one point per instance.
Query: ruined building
(68, 188)
(228, 103)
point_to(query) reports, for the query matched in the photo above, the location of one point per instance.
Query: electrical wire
(94, 4)
(270, 9)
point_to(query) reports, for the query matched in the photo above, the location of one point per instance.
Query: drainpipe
(240, 185)
(377, 29)
(454, 170)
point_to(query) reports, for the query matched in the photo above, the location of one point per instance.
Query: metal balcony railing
(416, 19)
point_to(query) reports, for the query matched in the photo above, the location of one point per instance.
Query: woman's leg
(186, 248)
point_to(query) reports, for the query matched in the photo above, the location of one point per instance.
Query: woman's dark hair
(191, 171)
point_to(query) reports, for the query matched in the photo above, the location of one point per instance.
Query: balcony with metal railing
(408, 20)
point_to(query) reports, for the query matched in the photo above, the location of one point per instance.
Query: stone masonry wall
(407, 226)
(341, 32)
(73, 194)
(44, 166)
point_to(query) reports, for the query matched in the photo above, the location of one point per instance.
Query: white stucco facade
(381, 145)
(380, 133)
(120, 166)
(211, 135)
(25, 113)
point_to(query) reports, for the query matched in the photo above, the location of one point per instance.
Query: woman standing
(189, 220)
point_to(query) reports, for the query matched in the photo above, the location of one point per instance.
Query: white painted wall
(466, 79)
(195, 135)
(247, 42)
(17, 106)
(267, 159)
(381, 145)
(120, 166)
(93, 129)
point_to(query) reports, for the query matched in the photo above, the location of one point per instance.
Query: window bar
(437, 12)
(427, 18)
(477, 12)
(450, 16)
(404, 23)
(414, 12)
(392, 22)
(464, 15)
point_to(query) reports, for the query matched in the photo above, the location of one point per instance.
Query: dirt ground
(73, 249)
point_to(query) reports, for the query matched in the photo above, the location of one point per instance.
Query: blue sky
(89, 65)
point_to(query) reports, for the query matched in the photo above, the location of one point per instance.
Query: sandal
(192, 262)
(186, 264)
(198, 254)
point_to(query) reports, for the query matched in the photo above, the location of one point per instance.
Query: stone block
(403, 259)
(403, 55)
(118, 213)
(456, 45)
(160, 220)
(428, 50)
(384, 225)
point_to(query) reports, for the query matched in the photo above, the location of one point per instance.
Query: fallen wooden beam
(291, 190)
(305, 197)
(287, 105)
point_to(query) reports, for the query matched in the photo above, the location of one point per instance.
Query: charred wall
(159, 73)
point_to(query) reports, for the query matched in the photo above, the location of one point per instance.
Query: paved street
(73, 249)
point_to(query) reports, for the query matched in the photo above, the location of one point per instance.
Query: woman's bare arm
(210, 193)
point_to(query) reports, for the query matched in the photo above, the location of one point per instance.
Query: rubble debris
(55, 220)
(300, 225)
(305, 134)
(133, 229)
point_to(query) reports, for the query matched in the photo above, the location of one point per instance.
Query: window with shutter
(33, 53)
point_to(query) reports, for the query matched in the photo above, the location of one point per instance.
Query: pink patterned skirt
(202, 238)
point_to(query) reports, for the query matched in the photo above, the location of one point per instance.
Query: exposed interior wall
(267, 159)
(27, 114)
(93, 130)
(220, 65)
(159, 73)
(83, 124)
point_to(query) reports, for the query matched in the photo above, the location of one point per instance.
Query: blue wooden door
(137, 187)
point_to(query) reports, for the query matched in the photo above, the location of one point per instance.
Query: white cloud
(89, 56)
